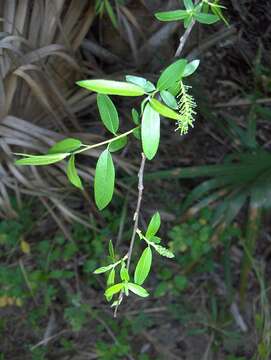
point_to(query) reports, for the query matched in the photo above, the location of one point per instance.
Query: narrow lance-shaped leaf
(162, 250)
(164, 110)
(104, 181)
(135, 116)
(65, 146)
(174, 15)
(108, 113)
(142, 82)
(169, 99)
(143, 266)
(72, 173)
(104, 269)
(111, 13)
(114, 290)
(118, 144)
(171, 74)
(154, 225)
(188, 4)
(150, 131)
(111, 277)
(136, 80)
(138, 290)
(124, 275)
(110, 87)
(40, 160)
(206, 18)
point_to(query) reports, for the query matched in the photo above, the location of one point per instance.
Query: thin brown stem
(185, 36)
(138, 207)
(136, 218)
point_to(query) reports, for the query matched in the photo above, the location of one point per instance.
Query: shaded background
(212, 186)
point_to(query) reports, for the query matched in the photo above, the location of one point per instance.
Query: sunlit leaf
(72, 173)
(191, 68)
(143, 266)
(39, 160)
(108, 113)
(114, 290)
(110, 87)
(206, 18)
(104, 181)
(164, 110)
(111, 277)
(150, 131)
(171, 74)
(154, 225)
(174, 15)
(118, 144)
(163, 251)
(169, 99)
(104, 269)
(138, 290)
(65, 146)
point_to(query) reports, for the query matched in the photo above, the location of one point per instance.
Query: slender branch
(135, 218)
(185, 36)
(139, 200)
(89, 147)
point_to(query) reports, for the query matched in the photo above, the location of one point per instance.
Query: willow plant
(169, 98)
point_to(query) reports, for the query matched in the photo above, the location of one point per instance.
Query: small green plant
(104, 6)
(194, 12)
(170, 99)
(142, 268)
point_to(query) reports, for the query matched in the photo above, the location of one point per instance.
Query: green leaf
(154, 225)
(136, 80)
(138, 290)
(143, 266)
(171, 75)
(111, 277)
(164, 110)
(72, 173)
(169, 99)
(111, 249)
(206, 18)
(155, 239)
(65, 146)
(163, 251)
(149, 87)
(191, 68)
(108, 113)
(104, 181)
(113, 290)
(175, 89)
(137, 133)
(124, 275)
(111, 13)
(135, 116)
(118, 144)
(110, 87)
(217, 10)
(140, 81)
(103, 269)
(188, 21)
(39, 160)
(150, 131)
(188, 4)
(174, 15)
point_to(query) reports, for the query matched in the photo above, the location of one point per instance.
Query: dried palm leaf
(39, 63)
